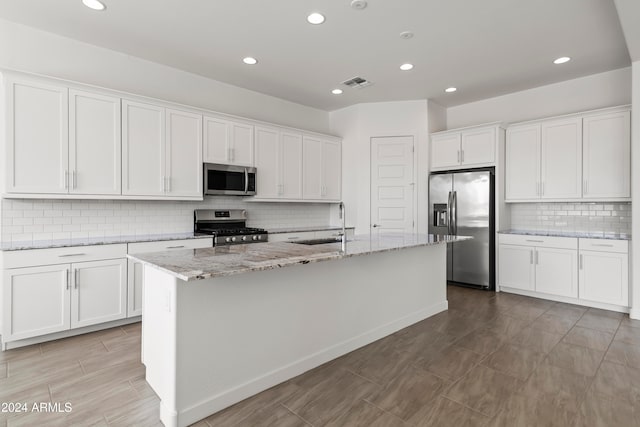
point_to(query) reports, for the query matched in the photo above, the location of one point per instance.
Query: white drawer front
(289, 237)
(540, 241)
(168, 245)
(37, 257)
(604, 245)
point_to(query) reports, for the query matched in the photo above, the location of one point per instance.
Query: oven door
(229, 180)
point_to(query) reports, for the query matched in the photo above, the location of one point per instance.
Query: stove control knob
(227, 239)
(259, 237)
(244, 238)
(254, 237)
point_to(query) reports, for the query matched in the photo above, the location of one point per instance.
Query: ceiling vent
(357, 82)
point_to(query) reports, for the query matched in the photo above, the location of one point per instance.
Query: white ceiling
(485, 48)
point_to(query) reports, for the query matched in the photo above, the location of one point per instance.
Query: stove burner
(229, 228)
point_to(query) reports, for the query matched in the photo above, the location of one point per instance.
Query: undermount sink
(318, 241)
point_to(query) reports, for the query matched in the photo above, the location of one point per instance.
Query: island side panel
(241, 334)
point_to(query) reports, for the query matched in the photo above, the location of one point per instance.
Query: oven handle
(246, 181)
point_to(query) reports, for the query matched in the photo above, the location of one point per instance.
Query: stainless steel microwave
(229, 180)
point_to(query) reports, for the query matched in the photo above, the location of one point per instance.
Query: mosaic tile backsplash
(576, 217)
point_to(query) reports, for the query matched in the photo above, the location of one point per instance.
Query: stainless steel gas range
(228, 227)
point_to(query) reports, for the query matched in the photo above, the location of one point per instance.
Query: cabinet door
(267, 163)
(445, 150)
(135, 279)
(561, 164)
(516, 269)
(35, 301)
(312, 168)
(99, 292)
(606, 157)
(332, 170)
(216, 140)
(478, 147)
(291, 155)
(604, 277)
(37, 138)
(94, 143)
(557, 271)
(143, 149)
(183, 154)
(241, 144)
(522, 163)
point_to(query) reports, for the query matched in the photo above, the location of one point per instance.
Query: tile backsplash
(32, 220)
(603, 218)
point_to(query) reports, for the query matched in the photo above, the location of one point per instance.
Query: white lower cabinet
(585, 270)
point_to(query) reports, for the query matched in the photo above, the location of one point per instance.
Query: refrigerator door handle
(454, 213)
(449, 204)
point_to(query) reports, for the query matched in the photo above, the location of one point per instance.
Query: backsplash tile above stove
(34, 220)
(578, 217)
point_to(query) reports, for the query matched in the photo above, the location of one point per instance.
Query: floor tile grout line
(296, 414)
(393, 415)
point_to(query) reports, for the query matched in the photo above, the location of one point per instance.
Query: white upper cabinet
(162, 151)
(94, 143)
(561, 159)
(37, 142)
(228, 142)
(332, 170)
(606, 156)
(279, 164)
(585, 157)
(183, 169)
(313, 184)
(522, 154)
(468, 148)
(143, 148)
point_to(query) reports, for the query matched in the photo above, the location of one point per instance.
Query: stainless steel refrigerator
(462, 203)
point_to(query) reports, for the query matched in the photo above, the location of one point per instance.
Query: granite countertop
(197, 264)
(587, 235)
(303, 229)
(63, 243)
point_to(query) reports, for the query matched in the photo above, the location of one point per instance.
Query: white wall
(357, 125)
(586, 93)
(635, 193)
(27, 49)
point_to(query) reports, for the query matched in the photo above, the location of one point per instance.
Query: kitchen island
(221, 324)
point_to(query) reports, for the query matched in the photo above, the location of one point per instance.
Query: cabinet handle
(74, 175)
(68, 278)
(462, 156)
(530, 257)
(175, 247)
(67, 255)
(458, 157)
(77, 281)
(233, 154)
(606, 245)
(536, 256)
(580, 262)
(293, 238)
(534, 241)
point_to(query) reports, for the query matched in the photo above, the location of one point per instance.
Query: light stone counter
(198, 264)
(582, 234)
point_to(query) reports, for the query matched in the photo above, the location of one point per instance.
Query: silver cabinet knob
(227, 239)
(233, 239)
(254, 237)
(244, 238)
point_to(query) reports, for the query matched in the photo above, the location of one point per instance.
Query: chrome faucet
(343, 235)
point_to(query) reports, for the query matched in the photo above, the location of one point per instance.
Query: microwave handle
(246, 181)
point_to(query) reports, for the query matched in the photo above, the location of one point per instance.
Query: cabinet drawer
(287, 237)
(540, 241)
(37, 257)
(168, 245)
(604, 245)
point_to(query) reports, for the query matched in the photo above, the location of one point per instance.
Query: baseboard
(634, 313)
(568, 300)
(223, 400)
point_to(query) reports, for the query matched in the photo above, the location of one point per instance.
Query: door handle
(246, 181)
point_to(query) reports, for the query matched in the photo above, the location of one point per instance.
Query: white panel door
(99, 292)
(95, 156)
(557, 271)
(35, 301)
(241, 144)
(561, 159)
(478, 147)
(267, 147)
(332, 170)
(516, 268)
(604, 277)
(37, 138)
(216, 140)
(312, 168)
(522, 163)
(445, 150)
(606, 156)
(291, 165)
(143, 149)
(392, 185)
(184, 154)
(135, 279)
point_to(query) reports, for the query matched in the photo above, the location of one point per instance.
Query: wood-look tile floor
(490, 360)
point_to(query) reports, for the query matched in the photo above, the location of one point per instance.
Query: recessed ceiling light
(337, 91)
(406, 35)
(250, 61)
(358, 4)
(93, 4)
(315, 18)
(406, 67)
(450, 89)
(562, 60)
